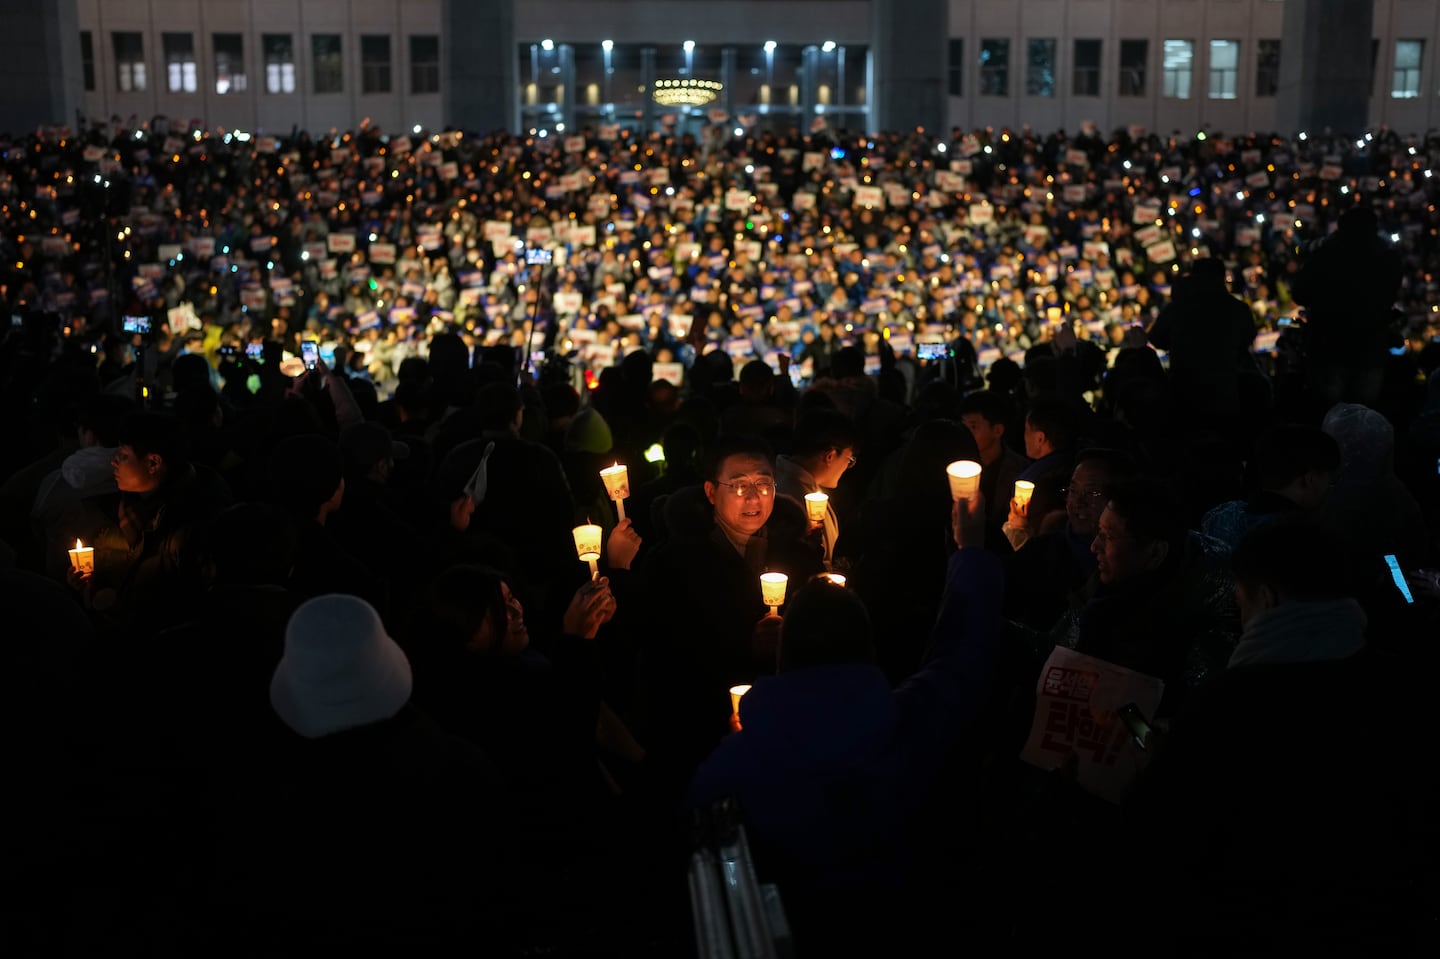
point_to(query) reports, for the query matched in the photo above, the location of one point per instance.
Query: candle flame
(78, 545)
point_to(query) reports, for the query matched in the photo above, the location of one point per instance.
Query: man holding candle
(823, 449)
(138, 557)
(832, 765)
(987, 415)
(706, 626)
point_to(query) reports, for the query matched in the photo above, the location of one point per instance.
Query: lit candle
(815, 506)
(772, 590)
(736, 694)
(964, 479)
(587, 546)
(617, 485)
(837, 578)
(82, 558)
(1023, 489)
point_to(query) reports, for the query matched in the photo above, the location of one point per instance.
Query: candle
(1023, 489)
(964, 479)
(837, 578)
(82, 558)
(815, 506)
(772, 590)
(736, 694)
(587, 546)
(617, 485)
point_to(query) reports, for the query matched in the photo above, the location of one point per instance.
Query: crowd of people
(302, 652)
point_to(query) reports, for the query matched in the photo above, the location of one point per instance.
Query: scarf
(1302, 633)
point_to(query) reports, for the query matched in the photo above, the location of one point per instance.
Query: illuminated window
(1177, 64)
(129, 61)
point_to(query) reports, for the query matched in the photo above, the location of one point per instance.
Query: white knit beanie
(340, 668)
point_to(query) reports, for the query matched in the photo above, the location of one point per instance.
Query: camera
(137, 324)
(538, 257)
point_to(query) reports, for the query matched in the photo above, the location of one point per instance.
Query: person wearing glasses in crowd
(823, 449)
(705, 625)
(1044, 578)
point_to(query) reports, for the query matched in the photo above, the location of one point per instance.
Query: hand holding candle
(772, 590)
(964, 479)
(82, 559)
(1023, 491)
(617, 485)
(587, 546)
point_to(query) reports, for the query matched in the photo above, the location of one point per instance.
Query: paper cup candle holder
(82, 558)
(617, 486)
(1023, 491)
(772, 590)
(964, 479)
(587, 546)
(815, 506)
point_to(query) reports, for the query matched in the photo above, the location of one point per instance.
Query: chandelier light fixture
(686, 91)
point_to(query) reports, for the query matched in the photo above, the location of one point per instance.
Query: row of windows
(327, 64)
(1177, 68)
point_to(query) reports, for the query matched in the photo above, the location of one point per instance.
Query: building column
(908, 54)
(41, 80)
(647, 80)
(809, 82)
(480, 74)
(727, 77)
(568, 92)
(1325, 66)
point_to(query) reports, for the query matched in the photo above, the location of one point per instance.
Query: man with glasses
(823, 449)
(705, 625)
(1053, 567)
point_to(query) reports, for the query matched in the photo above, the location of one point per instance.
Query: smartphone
(539, 257)
(932, 351)
(137, 324)
(1136, 723)
(256, 351)
(310, 353)
(17, 319)
(1398, 577)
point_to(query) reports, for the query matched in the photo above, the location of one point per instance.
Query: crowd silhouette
(301, 653)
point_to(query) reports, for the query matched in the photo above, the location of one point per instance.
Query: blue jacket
(831, 764)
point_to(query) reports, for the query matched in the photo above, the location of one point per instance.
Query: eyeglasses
(1077, 492)
(763, 488)
(850, 457)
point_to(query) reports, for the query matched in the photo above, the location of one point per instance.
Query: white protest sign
(1076, 703)
(670, 372)
(1162, 252)
(869, 196)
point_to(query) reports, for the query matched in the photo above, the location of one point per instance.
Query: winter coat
(830, 765)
